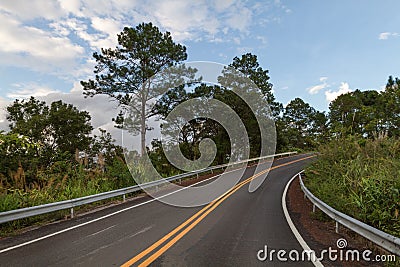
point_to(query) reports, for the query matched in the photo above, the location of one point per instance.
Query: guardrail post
(123, 198)
(313, 208)
(72, 213)
(197, 174)
(336, 227)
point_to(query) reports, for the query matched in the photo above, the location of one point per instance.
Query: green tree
(16, 151)
(29, 117)
(191, 134)
(389, 107)
(361, 112)
(105, 144)
(58, 128)
(343, 114)
(301, 125)
(124, 73)
(197, 129)
(248, 65)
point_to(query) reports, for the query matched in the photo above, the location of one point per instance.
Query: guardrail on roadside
(380, 238)
(12, 215)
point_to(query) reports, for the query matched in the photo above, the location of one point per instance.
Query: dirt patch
(318, 231)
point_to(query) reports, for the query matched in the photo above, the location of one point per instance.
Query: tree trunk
(143, 121)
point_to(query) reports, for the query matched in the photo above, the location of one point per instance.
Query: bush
(360, 177)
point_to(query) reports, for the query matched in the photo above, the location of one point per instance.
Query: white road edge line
(106, 216)
(296, 233)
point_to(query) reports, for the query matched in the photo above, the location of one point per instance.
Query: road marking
(144, 230)
(201, 215)
(105, 216)
(296, 233)
(186, 230)
(113, 243)
(95, 220)
(170, 234)
(98, 232)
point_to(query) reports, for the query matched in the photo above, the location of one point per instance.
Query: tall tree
(390, 106)
(248, 65)
(255, 82)
(343, 115)
(302, 124)
(124, 73)
(361, 112)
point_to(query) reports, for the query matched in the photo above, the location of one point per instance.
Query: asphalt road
(228, 232)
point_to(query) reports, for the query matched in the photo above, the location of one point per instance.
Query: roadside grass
(65, 182)
(62, 181)
(360, 178)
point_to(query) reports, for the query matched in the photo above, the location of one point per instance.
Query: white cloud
(386, 35)
(28, 10)
(71, 6)
(381, 88)
(344, 88)
(184, 19)
(3, 112)
(240, 20)
(25, 90)
(222, 5)
(58, 37)
(236, 40)
(316, 88)
(263, 39)
(72, 29)
(77, 88)
(32, 47)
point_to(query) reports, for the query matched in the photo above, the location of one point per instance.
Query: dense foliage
(48, 155)
(358, 169)
(360, 178)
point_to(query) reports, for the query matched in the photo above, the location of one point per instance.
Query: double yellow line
(193, 221)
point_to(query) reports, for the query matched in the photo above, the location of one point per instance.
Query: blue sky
(313, 49)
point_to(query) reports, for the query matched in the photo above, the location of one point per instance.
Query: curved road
(230, 231)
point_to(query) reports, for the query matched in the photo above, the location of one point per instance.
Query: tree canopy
(124, 72)
(58, 127)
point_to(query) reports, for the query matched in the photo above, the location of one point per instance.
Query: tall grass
(63, 181)
(360, 178)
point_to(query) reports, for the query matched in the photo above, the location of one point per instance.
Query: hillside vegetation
(360, 178)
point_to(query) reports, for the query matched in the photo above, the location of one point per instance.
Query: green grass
(360, 178)
(65, 182)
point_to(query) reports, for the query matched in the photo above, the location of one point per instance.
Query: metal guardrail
(380, 238)
(12, 215)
